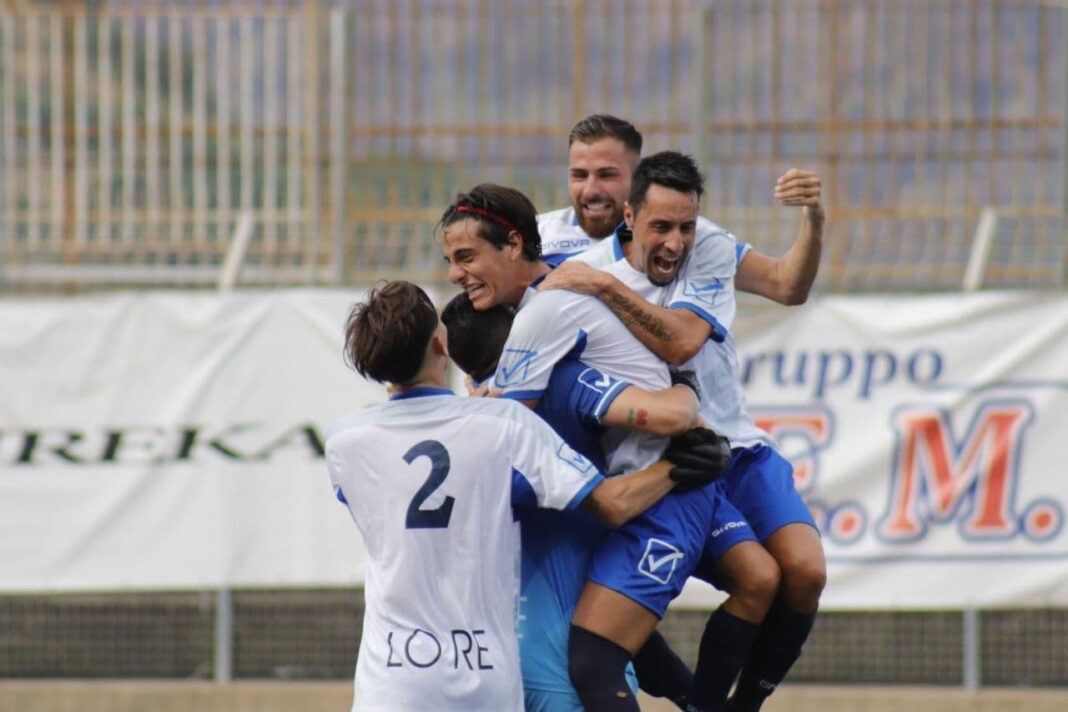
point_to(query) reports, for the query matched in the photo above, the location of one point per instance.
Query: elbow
(794, 297)
(615, 516)
(677, 423)
(609, 508)
(682, 351)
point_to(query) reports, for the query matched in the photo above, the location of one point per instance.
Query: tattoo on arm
(638, 417)
(632, 314)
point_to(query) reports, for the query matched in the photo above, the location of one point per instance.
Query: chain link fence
(314, 635)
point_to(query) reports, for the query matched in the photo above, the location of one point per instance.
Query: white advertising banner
(162, 441)
(929, 436)
(173, 441)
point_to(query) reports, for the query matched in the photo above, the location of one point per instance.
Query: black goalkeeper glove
(700, 456)
(685, 378)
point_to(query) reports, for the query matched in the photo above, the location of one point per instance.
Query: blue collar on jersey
(421, 391)
(538, 280)
(621, 235)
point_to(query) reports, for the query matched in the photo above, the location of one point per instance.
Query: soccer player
(491, 243)
(603, 151)
(580, 403)
(431, 480)
(674, 288)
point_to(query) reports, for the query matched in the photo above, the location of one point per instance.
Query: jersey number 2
(439, 469)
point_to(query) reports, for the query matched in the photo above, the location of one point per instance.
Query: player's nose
(456, 274)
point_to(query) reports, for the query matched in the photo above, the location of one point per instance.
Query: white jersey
(705, 286)
(557, 324)
(430, 480)
(562, 236)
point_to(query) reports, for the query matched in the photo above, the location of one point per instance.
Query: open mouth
(665, 264)
(597, 208)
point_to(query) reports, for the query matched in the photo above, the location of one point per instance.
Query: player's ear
(628, 214)
(439, 345)
(515, 245)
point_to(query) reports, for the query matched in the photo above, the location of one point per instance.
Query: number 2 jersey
(430, 480)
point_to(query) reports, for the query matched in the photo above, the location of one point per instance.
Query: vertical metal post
(972, 664)
(312, 139)
(224, 635)
(699, 96)
(981, 246)
(339, 155)
(1064, 140)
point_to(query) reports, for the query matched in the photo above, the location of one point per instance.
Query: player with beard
(673, 294)
(603, 152)
(553, 326)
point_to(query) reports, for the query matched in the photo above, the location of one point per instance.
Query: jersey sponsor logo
(574, 458)
(719, 531)
(705, 293)
(659, 560)
(562, 245)
(514, 366)
(595, 380)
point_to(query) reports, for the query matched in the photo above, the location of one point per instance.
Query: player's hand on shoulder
(700, 455)
(574, 276)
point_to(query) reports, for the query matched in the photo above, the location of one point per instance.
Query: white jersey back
(430, 480)
(705, 286)
(556, 324)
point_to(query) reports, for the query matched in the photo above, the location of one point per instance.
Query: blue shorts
(650, 557)
(760, 485)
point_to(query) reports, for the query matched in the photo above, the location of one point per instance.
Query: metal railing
(133, 135)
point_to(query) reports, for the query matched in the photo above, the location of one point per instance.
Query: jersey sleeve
(541, 337)
(585, 390)
(706, 284)
(741, 249)
(546, 471)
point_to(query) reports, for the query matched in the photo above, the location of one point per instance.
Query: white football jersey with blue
(705, 286)
(556, 324)
(430, 480)
(561, 236)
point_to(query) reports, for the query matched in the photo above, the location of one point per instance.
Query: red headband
(486, 214)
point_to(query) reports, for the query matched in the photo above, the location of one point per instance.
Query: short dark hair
(386, 335)
(499, 210)
(597, 126)
(476, 338)
(668, 168)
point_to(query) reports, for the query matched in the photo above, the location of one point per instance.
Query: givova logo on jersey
(704, 292)
(660, 560)
(595, 380)
(514, 366)
(574, 458)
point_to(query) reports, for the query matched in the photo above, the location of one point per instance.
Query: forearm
(671, 411)
(617, 500)
(801, 263)
(666, 332)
